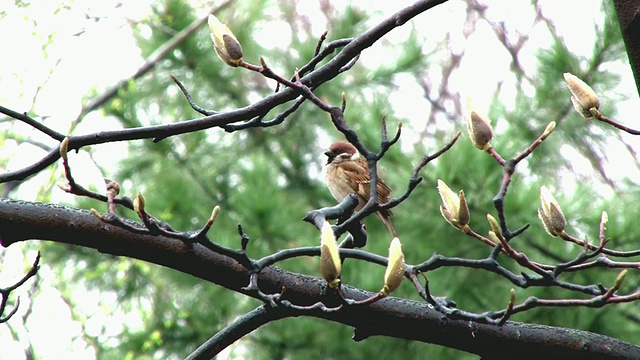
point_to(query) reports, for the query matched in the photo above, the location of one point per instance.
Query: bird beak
(330, 156)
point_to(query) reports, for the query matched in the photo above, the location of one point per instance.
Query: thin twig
(149, 63)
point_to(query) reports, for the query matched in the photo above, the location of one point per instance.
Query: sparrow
(347, 172)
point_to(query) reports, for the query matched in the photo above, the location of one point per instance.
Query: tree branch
(240, 327)
(148, 64)
(20, 221)
(628, 12)
(159, 132)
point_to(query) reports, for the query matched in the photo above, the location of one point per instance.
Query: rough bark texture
(629, 19)
(393, 317)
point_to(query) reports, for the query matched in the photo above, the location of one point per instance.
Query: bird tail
(385, 217)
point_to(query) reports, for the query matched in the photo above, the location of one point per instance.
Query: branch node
(244, 239)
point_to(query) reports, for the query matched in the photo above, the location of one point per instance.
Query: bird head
(341, 151)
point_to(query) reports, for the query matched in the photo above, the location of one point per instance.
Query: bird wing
(358, 173)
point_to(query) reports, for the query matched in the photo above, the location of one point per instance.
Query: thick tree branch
(20, 221)
(241, 327)
(628, 12)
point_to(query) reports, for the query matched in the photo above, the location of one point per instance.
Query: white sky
(105, 52)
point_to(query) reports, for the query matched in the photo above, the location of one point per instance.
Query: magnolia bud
(225, 43)
(620, 278)
(95, 213)
(551, 213)
(395, 268)
(494, 237)
(330, 264)
(454, 207)
(495, 227)
(583, 97)
(214, 213)
(138, 203)
(64, 147)
(549, 129)
(479, 128)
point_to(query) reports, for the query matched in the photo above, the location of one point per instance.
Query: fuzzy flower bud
(620, 278)
(64, 147)
(479, 128)
(604, 218)
(551, 213)
(330, 264)
(494, 237)
(138, 203)
(495, 227)
(96, 213)
(214, 213)
(225, 43)
(616, 286)
(395, 268)
(583, 97)
(454, 207)
(549, 129)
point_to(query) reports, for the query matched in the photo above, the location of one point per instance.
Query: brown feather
(364, 185)
(346, 175)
